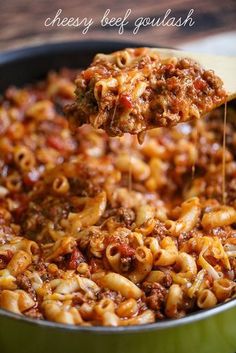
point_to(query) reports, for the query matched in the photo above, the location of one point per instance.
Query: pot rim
(156, 326)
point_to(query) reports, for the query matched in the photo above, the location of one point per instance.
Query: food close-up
(118, 177)
(100, 230)
(134, 90)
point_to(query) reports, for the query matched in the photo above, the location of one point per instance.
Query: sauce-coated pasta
(80, 244)
(134, 90)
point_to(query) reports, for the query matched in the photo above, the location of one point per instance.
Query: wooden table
(22, 21)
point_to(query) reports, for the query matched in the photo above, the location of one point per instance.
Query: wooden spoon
(223, 66)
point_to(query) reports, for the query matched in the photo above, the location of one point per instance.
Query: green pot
(210, 331)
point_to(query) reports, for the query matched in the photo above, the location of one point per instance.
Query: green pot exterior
(215, 334)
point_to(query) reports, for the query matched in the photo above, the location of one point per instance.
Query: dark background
(22, 21)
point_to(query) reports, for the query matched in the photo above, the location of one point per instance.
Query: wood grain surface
(22, 21)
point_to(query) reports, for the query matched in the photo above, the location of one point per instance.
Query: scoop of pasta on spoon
(134, 90)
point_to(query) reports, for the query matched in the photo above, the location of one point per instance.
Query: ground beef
(160, 230)
(24, 283)
(126, 264)
(123, 215)
(155, 295)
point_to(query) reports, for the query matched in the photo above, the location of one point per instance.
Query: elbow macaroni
(99, 231)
